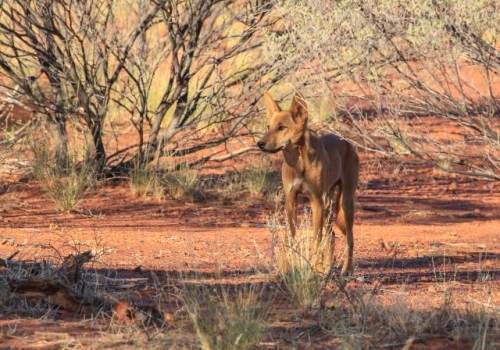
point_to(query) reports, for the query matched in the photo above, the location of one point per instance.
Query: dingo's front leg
(291, 212)
(318, 219)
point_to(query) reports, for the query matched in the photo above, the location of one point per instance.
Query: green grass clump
(146, 182)
(64, 182)
(260, 180)
(183, 183)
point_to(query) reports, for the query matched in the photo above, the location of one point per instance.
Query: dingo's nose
(261, 144)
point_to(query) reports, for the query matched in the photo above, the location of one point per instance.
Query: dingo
(316, 166)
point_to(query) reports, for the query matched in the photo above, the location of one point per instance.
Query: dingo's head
(285, 128)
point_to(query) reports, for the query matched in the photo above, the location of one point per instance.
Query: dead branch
(211, 158)
(72, 267)
(57, 290)
(94, 279)
(32, 267)
(58, 294)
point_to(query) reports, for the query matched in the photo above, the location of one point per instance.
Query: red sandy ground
(418, 234)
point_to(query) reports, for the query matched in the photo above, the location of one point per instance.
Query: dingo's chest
(299, 184)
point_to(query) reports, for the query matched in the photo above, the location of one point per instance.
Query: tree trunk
(100, 151)
(60, 137)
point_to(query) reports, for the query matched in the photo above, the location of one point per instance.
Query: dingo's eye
(281, 127)
(267, 127)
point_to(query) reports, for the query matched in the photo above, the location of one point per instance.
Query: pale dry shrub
(230, 185)
(389, 68)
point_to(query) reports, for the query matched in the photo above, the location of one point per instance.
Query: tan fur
(315, 166)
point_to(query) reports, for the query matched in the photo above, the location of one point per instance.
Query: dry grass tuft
(146, 182)
(295, 262)
(260, 180)
(364, 321)
(65, 183)
(183, 184)
(228, 316)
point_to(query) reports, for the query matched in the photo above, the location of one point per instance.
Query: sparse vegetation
(180, 182)
(184, 183)
(228, 316)
(365, 322)
(229, 184)
(145, 181)
(295, 263)
(414, 85)
(403, 63)
(242, 315)
(63, 182)
(260, 180)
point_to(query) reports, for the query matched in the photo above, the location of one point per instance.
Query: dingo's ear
(298, 109)
(271, 105)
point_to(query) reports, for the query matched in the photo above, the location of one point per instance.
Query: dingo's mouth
(263, 148)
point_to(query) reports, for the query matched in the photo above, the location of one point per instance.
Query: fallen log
(32, 267)
(58, 294)
(58, 290)
(70, 270)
